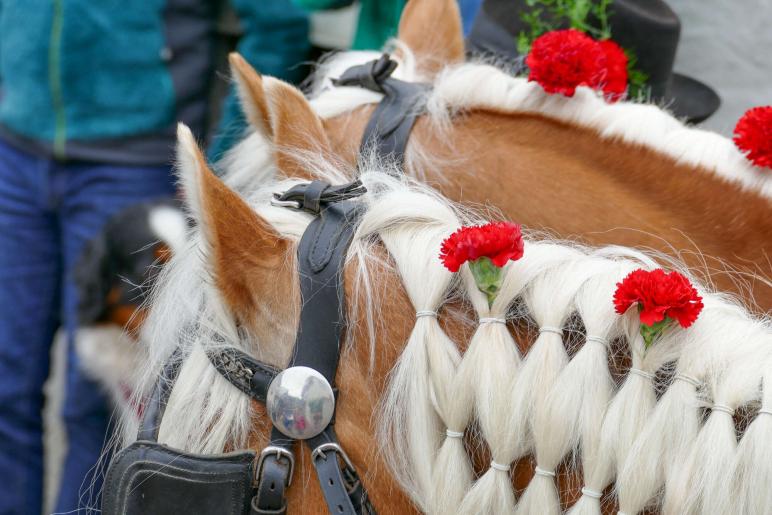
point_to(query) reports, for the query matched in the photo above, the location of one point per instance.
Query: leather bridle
(148, 477)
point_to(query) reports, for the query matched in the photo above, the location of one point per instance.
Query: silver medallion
(300, 402)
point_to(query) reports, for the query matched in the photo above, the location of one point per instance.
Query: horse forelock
(477, 85)
(540, 398)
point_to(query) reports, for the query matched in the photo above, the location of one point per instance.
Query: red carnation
(561, 60)
(498, 241)
(661, 298)
(753, 136)
(487, 248)
(614, 83)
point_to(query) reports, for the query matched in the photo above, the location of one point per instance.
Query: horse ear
(243, 249)
(297, 130)
(249, 86)
(432, 30)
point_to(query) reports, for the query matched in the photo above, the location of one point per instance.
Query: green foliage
(588, 16)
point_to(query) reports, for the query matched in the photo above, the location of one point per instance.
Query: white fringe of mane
(664, 433)
(479, 85)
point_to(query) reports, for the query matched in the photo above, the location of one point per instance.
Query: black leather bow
(370, 75)
(315, 195)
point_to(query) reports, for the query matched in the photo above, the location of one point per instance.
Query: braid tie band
(492, 320)
(723, 408)
(642, 373)
(551, 329)
(687, 379)
(454, 434)
(589, 492)
(597, 339)
(499, 466)
(426, 313)
(765, 411)
(546, 473)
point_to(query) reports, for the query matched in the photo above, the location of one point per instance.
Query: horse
(624, 173)
(543, 401)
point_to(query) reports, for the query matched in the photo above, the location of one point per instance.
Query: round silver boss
(300, 402)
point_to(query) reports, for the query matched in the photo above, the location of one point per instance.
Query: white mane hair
(479, 85)
(663, 433)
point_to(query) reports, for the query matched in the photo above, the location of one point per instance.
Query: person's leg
(93, 193)
(30, 271)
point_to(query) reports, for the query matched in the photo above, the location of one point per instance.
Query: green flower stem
(487, 276)
(651, 333)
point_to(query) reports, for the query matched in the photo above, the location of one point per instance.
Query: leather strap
(244, 372)
(156, 404)
(388, 129)
(273, 476)
(321, 255)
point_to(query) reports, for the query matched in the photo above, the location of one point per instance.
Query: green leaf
(651, 333)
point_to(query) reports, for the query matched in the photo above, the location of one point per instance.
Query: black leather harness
(388, 129)
(151, 478)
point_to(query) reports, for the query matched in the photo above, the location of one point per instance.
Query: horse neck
(567, 180)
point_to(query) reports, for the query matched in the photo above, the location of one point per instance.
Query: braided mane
(582, 394)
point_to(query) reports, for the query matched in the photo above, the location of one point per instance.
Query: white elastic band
(420, 314)
(621, 513)
(767, 411)
(490, 320)
(550, 329)
(453, 434)
(546, 473)
(723, 408)
(499, 466)
(589, 492)
(597, 339)
(642, 373)
(688, 379)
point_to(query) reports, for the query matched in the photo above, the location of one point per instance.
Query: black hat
(649, 28)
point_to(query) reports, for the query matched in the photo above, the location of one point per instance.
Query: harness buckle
(280, 453)
(320, 451)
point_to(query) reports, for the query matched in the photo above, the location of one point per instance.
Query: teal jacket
(107, 80)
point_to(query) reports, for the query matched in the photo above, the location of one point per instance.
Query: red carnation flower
(498, 241)
(753, 136)
(561, 60)
(661, 298)
(614, 83)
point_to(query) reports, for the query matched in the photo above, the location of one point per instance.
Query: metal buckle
(319, 452)
(280, 452)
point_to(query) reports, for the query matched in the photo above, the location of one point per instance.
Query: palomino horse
(624, 173)
(439, 412)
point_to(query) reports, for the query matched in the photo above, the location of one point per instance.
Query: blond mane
(478, 85)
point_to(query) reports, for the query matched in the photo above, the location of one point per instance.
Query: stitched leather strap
(388, 129)
(244, 372)
(273, 476)
(321, 255)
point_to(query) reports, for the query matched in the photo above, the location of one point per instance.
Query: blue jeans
(48, 210)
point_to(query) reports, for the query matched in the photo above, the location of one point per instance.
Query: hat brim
(691, 99)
